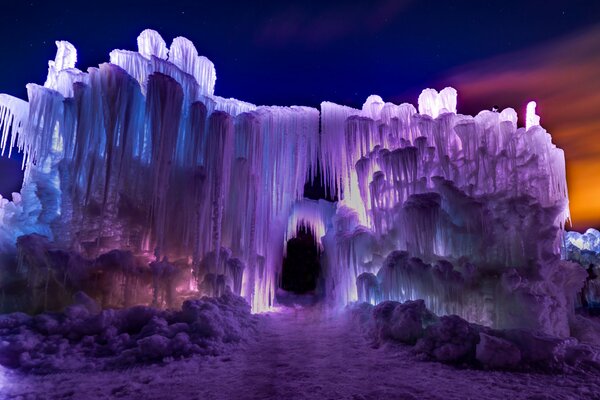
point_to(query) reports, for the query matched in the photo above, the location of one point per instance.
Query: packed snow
(450, 339)
(306, 354)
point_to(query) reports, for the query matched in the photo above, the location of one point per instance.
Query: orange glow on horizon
(564, 80)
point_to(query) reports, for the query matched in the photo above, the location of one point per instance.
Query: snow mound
(83, 338)
(496, 352)
(451, 339)
(403, 322)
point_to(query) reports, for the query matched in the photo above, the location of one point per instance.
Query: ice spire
(433, 103)
(183, 54)
(150, 44)
(531, 119)
(61, 70)
(66, 56)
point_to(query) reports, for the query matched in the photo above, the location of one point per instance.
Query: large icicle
(13, 117)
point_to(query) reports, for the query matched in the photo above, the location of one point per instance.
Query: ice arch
(313, 215)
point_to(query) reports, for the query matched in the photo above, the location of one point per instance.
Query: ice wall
(143, 157)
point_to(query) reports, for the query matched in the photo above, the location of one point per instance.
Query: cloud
(296, 25)
(563, 77)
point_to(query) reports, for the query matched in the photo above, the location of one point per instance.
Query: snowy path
(303, 354)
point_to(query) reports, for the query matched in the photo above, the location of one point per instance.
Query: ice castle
(143, 186)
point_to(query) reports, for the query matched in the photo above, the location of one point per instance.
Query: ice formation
(588, 244)
(141, 156)
(140, 161)
(585, 250)
(463, 212)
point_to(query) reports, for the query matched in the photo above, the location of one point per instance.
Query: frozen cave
(144, 187)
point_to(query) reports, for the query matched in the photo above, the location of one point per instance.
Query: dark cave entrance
(301, 266)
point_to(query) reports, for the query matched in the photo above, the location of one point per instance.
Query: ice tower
(464, 212)
(142, 185)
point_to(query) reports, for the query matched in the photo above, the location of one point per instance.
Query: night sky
(494, 52)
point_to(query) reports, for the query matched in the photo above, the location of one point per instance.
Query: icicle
(13, 117)
(219, 147)
(312, 215)
(369, 288)
(165, 99)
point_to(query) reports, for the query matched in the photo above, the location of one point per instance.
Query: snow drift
(450, 339)
(85, 337)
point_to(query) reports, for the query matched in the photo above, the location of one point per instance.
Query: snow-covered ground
(303, 354)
